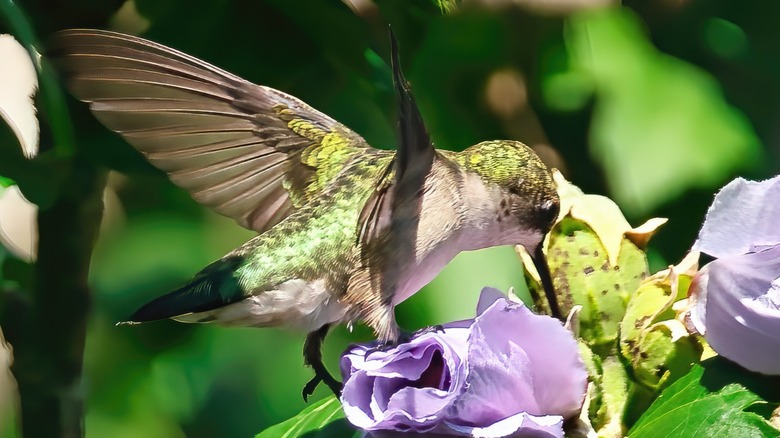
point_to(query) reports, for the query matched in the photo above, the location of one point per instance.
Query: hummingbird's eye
(548, 212)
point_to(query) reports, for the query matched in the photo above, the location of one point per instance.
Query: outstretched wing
(250, 152)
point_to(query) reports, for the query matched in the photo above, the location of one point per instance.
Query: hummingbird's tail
(215, 286)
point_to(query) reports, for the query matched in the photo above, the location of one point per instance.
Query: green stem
(49, 357)
(47, 326)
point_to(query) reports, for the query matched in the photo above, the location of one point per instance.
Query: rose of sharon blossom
(506, 372)
(737, 296)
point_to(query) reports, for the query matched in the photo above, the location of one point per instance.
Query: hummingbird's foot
(334, 385)
(312, 356)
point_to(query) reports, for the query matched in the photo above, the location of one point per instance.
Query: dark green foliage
(168, 379)
(717, 398)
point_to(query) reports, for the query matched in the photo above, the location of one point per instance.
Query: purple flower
(506, 372)
(737, 297)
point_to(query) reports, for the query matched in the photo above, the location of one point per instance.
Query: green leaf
(660, 125)
(448, 6)
(320, 420)
(6, 182)
(706, 402)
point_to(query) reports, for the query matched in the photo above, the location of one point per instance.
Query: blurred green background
(655, 103)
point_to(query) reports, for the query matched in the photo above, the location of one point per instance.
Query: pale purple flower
(737, 296)
(506, 372)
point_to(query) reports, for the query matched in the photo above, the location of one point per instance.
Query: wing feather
(250, 152)
(410, 166)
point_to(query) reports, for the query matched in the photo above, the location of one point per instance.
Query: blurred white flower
(18, 84)
(9, 390)
(18, 224)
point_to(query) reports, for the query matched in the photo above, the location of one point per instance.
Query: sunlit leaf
(701, 405)
(661, 125)
(448, 6)
(323, 419)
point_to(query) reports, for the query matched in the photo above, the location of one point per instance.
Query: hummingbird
(345, 231)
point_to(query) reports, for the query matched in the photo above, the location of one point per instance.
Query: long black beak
(540, 262)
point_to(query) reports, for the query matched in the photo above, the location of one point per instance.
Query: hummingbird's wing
(410, 166)
(250, 152)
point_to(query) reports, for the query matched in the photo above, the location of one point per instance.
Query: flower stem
(49, 354)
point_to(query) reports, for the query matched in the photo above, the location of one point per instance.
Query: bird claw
(334, 385)
(312, 356)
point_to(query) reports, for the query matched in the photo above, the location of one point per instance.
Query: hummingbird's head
(528, 203)
(524, 204)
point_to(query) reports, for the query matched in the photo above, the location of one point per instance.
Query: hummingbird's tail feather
(213, 287)
(188, 299)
